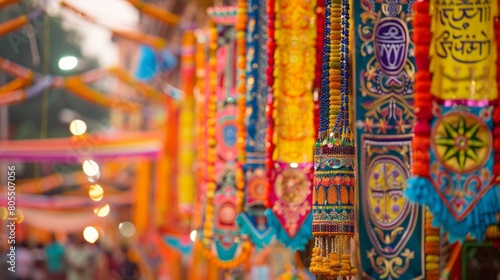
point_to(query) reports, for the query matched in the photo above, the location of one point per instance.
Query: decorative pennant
(291, 129)
(455, 172)
(390, 227)
(253, 221)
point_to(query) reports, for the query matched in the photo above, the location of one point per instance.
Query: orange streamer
(75, 85)
(156, 12)
(143, 88)
(13, 24)
(16, 84)
(152, 41)
(4, 3)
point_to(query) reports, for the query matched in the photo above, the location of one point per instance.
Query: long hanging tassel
(334, 182)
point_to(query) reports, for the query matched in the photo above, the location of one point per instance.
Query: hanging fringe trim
(422, 191)
(299, 240)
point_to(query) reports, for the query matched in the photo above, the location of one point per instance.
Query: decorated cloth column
(456, 160)
(253, 221)
(292, 36)
(391, 229)
(225, 192)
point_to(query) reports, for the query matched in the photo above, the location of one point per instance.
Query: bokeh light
(103, 211)
(67, 63)
(127, 229)
(78, 127)
(192, 235)
(90, 168)
(90, 234)
(96, 192)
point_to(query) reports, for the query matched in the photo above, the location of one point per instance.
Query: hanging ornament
(334, 182)
(456, 107)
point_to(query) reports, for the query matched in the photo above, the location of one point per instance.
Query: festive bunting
(291, 35)
(65, 202)
(15, 91)
(391, 234)
(147, 144)
(455, 172)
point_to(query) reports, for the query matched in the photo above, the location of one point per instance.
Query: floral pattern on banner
(390, 227)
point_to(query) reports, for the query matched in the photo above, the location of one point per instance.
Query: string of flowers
(200, 63)
(421, 143)
(496, 113)
(422, 86)
(271, 47)
(241, 26)
(211, 153)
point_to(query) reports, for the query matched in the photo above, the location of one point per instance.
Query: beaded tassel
(333, 199)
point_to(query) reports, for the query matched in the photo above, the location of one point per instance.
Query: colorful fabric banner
(390, 227)
(455, 171)
(293, 35)
(253, 221)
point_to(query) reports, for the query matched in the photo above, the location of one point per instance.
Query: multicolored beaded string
(335, 71)
(320, 30)
(325, 79)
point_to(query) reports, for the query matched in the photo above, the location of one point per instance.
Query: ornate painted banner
(456, 171)
(391, 228)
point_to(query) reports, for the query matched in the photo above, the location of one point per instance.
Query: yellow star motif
(462, 142)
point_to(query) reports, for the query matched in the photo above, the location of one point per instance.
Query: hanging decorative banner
(391, 235)
(225, 191)
(291, 128)
(253, 221)
(455, 172)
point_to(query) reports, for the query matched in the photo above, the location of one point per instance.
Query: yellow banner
(463, 49)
